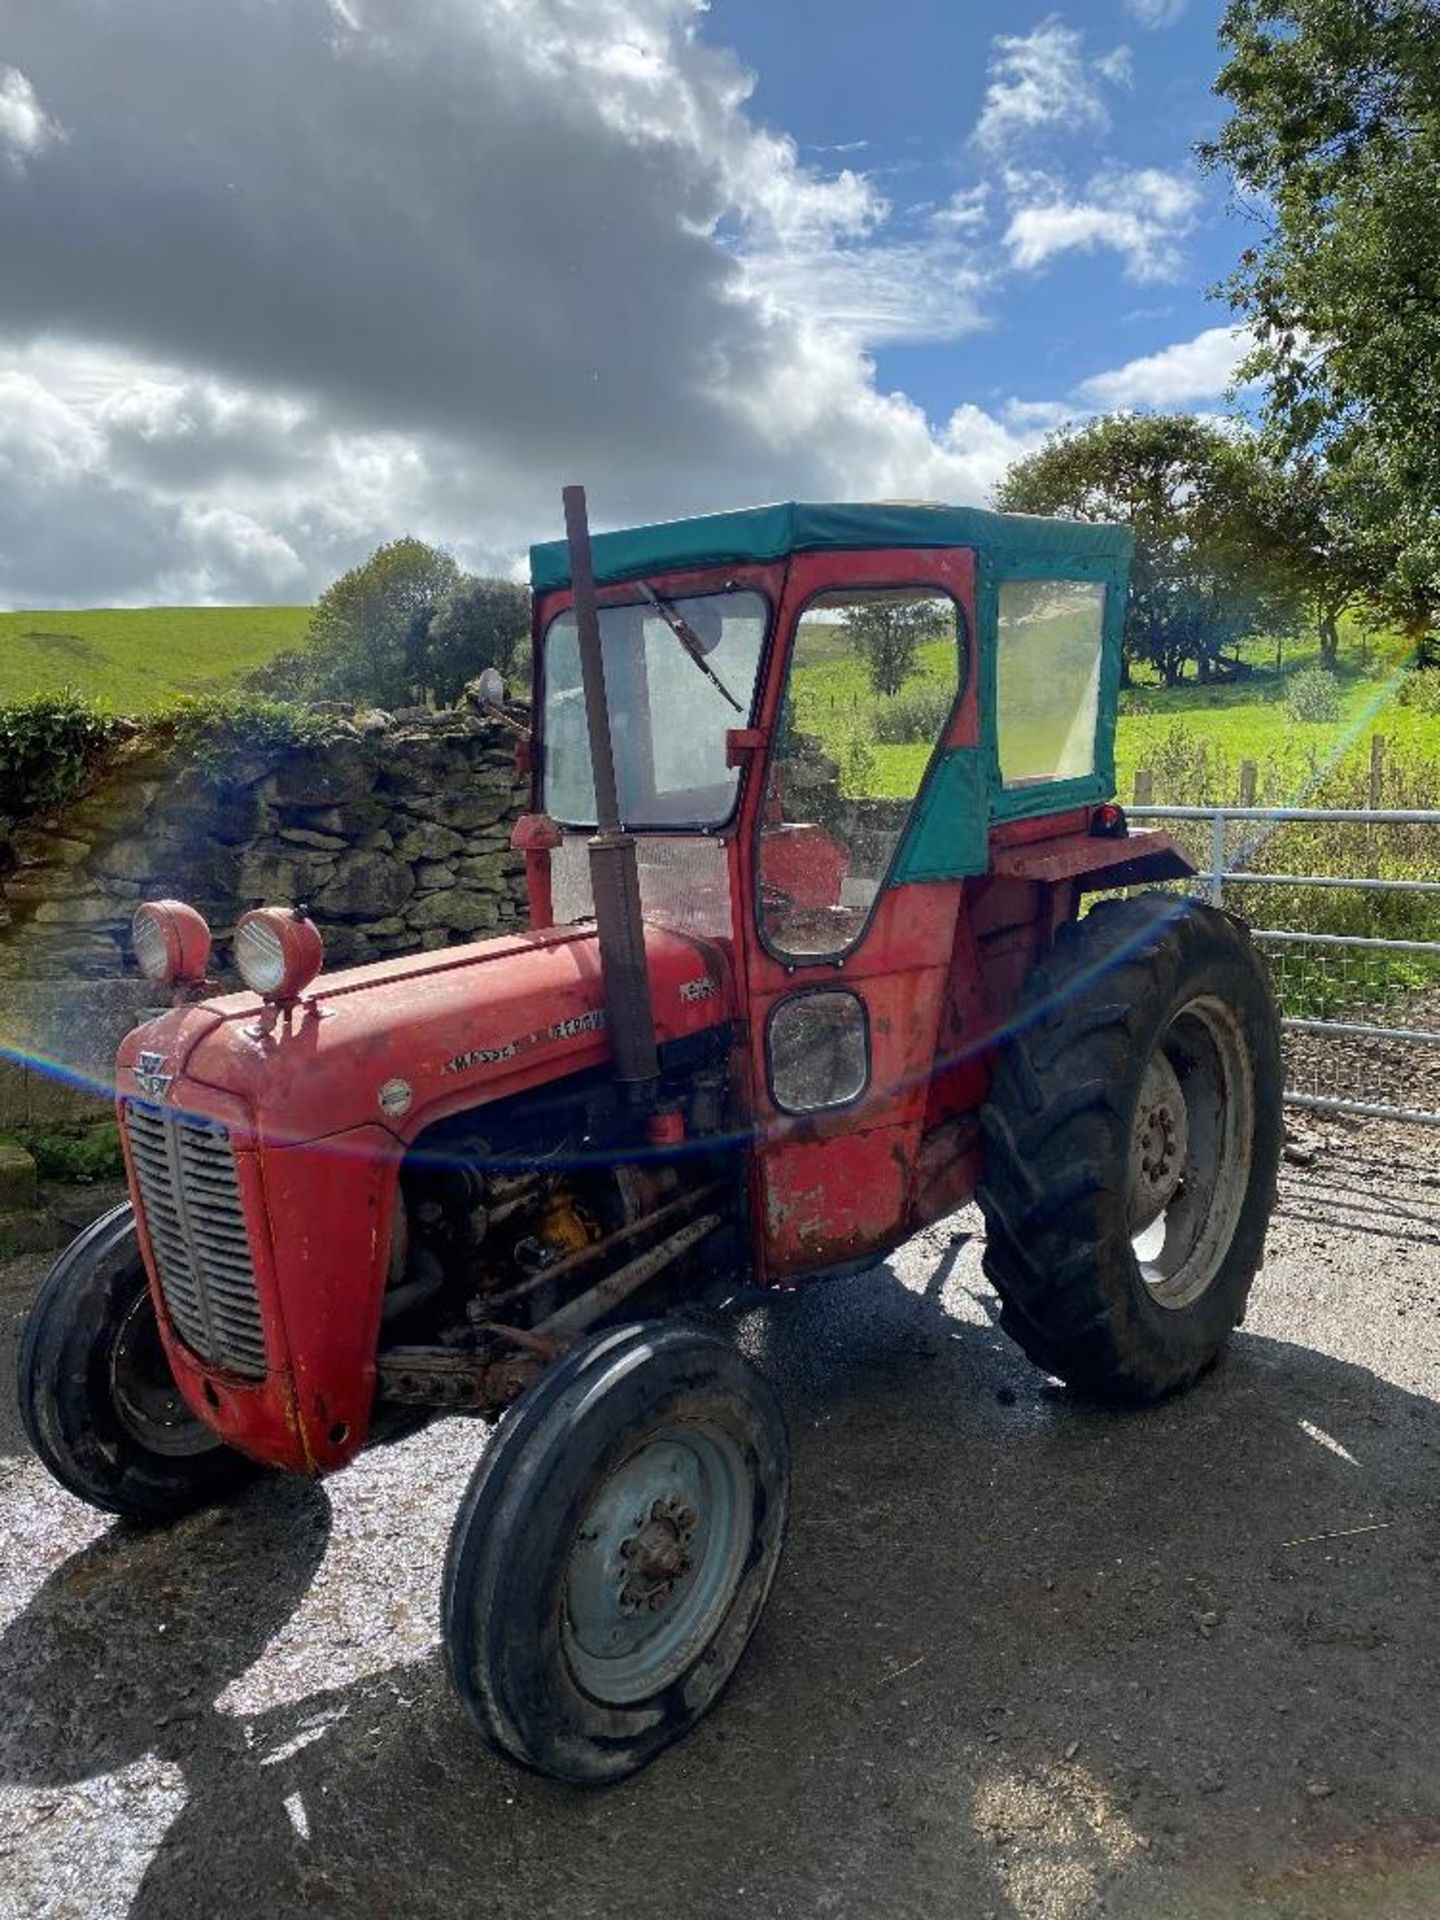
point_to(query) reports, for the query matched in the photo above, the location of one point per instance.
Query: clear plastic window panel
(684, 884)
(1048, 678)
(668, 718)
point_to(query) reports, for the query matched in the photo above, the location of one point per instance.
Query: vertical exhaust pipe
(614, 875)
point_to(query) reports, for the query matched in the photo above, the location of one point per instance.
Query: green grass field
(1242, 720)
(137, 658)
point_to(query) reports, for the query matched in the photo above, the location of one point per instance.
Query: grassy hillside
(136, 658)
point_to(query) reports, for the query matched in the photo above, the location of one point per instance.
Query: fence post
(1247, 783)
(1377, 787)
(1217, 857)
(1144, 787)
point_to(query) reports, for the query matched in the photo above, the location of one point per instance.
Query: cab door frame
(834, 1187)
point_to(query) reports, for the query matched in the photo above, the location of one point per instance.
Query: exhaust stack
(614, 875)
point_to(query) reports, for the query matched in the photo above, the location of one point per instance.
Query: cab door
(870, 812)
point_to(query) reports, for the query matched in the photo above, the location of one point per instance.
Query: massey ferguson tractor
(794, 986)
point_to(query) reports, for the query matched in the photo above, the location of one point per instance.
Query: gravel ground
(1023, 1659)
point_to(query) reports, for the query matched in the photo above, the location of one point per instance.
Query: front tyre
(1132, 1137)
(615, 1549)
(97, 1397)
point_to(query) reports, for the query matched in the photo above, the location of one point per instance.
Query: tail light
(1108, 822)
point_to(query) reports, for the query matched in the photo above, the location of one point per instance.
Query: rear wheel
(1133, 1134)
(615, 1549)
(97, 1395)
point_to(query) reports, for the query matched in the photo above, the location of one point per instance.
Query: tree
(1334, 132)
(888, 631)
(408, 623)
(1331, 525)
(483, 623)
(369, 630)
(1206, 570)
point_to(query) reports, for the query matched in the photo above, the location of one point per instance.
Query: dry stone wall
(393, 829)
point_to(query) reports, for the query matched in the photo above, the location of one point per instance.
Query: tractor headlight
(278, 952)
(171, 941)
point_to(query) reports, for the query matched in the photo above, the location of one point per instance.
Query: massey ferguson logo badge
(149, 1072)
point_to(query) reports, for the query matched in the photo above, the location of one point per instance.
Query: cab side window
(874, 674)
(1048, 678)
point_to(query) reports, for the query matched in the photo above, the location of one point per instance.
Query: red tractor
(806, 970)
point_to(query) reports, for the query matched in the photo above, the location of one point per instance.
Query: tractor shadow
(1022, 1658)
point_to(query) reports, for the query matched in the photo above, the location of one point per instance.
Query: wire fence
(1345, 906)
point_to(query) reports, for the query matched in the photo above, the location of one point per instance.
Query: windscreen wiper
(690, 640)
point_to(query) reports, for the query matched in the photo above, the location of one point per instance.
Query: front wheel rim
(1192, 1147)
(656, 1561)
(143, 1390)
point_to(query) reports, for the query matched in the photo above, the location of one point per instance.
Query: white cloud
(1190, 370)
(464, 264)
(25, 127)
(1154, 14)
(1141, 215)
(1042, 81)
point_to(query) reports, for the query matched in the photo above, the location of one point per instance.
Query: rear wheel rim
(144, 1393)
(1191, 1151)
(656, 1561)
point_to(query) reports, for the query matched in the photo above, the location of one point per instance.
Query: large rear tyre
(614, 1551)
(1132, 1135)
(97, 1397)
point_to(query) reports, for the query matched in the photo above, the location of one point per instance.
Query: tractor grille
(191, 1201)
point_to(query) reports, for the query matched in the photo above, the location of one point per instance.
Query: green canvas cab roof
(756, 534)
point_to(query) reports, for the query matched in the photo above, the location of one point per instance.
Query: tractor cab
(845, 741)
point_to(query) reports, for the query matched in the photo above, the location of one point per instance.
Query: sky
(281, 279)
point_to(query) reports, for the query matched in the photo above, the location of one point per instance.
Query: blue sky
(286, 280)
(898, 91)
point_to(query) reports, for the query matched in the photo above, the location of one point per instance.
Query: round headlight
(171, 941)
(277, 951)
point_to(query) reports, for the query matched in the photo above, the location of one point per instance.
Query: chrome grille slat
(190, 1196)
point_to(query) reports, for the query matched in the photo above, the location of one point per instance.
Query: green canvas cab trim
(948, 832)
(755, 535)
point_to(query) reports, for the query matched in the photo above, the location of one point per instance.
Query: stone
(457, 908)
(318, 819)
(18, 1188)
(32, 847)
(366, 886)
(339, 771)
(45, 883)
(487, 870)
(430, 874)
(429, 841)
(379, 841)
(464, 808)
(306, 837)
(130, 859)
(91, 912)
(291, 874)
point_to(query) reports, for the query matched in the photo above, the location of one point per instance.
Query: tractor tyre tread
(1056, 1131)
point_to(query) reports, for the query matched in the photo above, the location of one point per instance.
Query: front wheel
(1132, 1138)
(615, 1549)
(97, 1397)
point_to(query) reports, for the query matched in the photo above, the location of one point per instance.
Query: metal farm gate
(1360, 999)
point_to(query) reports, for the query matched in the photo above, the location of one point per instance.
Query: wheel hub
(1159, 1141)
(658, 1556)
(655, 1562)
